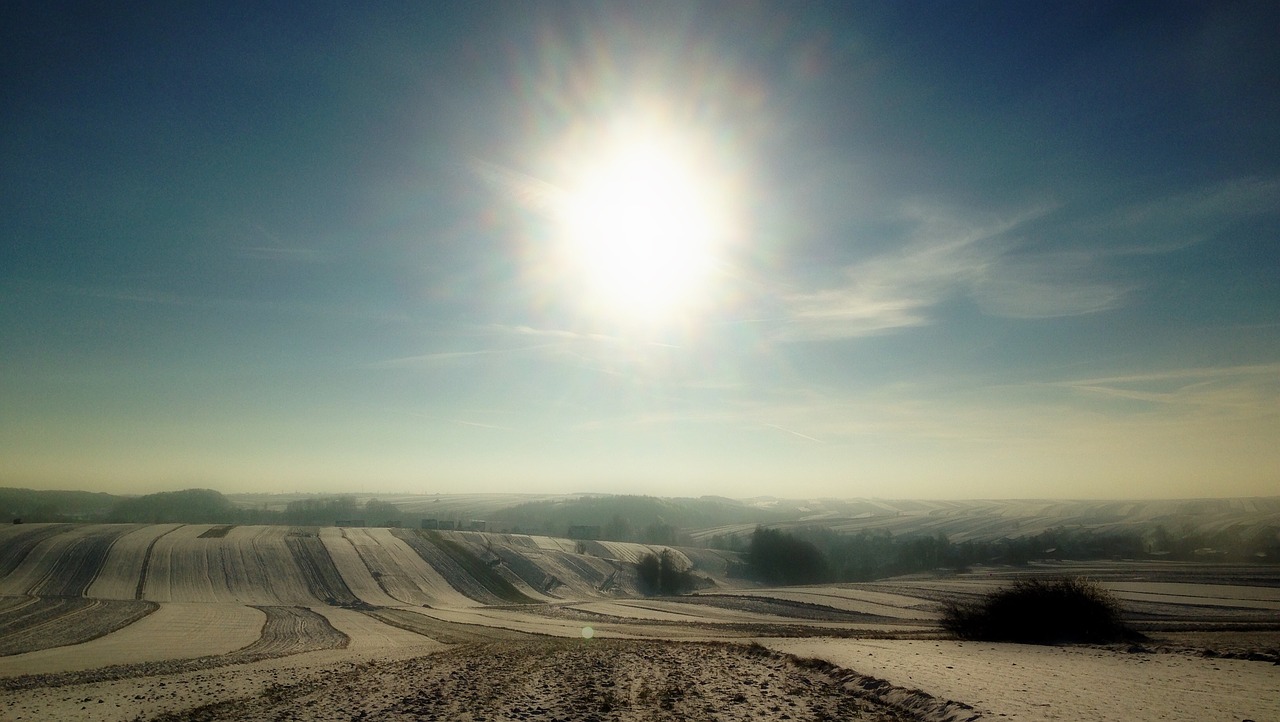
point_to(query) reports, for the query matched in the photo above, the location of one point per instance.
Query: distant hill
(987, 520)
(35, 505)
(1175, 525)
(632, 518)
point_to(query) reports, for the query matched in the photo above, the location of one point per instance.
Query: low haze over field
(886, 249)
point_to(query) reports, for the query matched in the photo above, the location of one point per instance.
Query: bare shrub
(1040, 611)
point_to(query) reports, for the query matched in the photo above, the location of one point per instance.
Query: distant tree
(663, 574)
(190, 506)
(616, 529)
(648, 572)
(32, 505)
(776, 557)
(378, 513)
(659, 533)
(321, 511)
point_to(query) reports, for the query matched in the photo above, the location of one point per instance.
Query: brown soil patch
(597, 680)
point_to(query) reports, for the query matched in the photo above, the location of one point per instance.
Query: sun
(642, 225)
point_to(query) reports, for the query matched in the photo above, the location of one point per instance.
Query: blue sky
(961, 249)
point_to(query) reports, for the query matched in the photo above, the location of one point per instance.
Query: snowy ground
(259, 622)
(1022, 682)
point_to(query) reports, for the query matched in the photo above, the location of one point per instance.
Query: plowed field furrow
(21, 617)
(383, 568)
(712, 562)
(632, 553)
(781, 607)
(462, 569)
(9, 605)
(38, 565)
(174, 631)
(79, 564)
(245, 570)
(121, 574)
(593, 548)
(454, 574)
(442, 631)
(293, 630)
(35, 564)
(322, 577)
(510, 562)
(146, 565)
(18, 544)
(522, 566)
(282, 575)
(402, 573)
(433, 584)
(545, 681)
(355, 574)
(552, 543)
(824, 604)
(60, 621)
(590, 570)
(179, 569)
(370, 635)
(287, 631)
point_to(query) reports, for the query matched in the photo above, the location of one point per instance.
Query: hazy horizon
(890, 250)
(536, 494)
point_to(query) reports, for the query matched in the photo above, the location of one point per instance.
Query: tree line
(814, 555)
(206, 506)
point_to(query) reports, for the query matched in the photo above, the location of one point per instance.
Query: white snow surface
(1081, 684)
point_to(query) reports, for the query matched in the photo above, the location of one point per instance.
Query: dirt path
(562, 680)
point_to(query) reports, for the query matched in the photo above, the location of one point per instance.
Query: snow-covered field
(196, 621)
(1027, 682)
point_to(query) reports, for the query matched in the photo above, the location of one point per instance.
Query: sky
(873, 249)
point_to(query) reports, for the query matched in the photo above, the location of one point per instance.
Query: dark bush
(1040, 611)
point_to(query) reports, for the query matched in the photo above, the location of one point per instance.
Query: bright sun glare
(642, 227)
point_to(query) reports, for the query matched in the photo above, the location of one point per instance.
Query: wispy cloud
(1194, 406)
(444, 357)
(897, 290)
(165, 298)
(584, 348)
(261, 244)
(1252, 390)
(793, 432)
(454, 420)
(1046, 261)
(284, 255)
(527, 191)
(1047, 286)
(1179, 220)
(478, 425)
